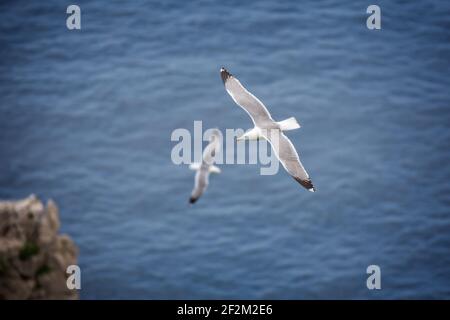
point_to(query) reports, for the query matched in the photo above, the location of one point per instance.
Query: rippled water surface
(86, 118)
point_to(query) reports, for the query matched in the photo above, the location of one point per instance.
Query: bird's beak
(241, 138)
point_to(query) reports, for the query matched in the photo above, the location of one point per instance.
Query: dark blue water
(86, 118)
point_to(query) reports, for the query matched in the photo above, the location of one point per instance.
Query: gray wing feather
(201, 183)
(210, 151)
(247, 101)
(288, 156)
(202, 175)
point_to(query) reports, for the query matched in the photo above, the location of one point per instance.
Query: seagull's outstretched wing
(212, 148)
(201, 182)
(206, 167)
(288, 156)
(247, 101)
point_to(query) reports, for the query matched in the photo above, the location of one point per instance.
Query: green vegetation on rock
(2, 266)
(43, 270)
(28, 250)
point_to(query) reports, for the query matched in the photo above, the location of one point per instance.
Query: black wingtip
(225, 74)
(192, 200)
(306, 183)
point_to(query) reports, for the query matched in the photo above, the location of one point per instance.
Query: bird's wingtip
(225, 74)
(306, 183)
(192, 200)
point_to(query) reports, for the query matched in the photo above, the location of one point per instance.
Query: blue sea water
(86, 118)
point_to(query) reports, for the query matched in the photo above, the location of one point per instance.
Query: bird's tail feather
(195, 166)
(214, 169)
(288, 124)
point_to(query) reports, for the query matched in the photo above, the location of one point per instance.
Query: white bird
(206, 166)
(267, 128)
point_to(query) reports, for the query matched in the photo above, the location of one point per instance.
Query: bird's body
(267, 128)
(205, 167)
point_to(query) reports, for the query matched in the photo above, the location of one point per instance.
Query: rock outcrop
(33, 257)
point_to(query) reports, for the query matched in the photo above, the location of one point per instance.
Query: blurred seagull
(267, 128)
(206, 166)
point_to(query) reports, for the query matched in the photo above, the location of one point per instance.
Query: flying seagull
(269, 129)
(206, 166)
